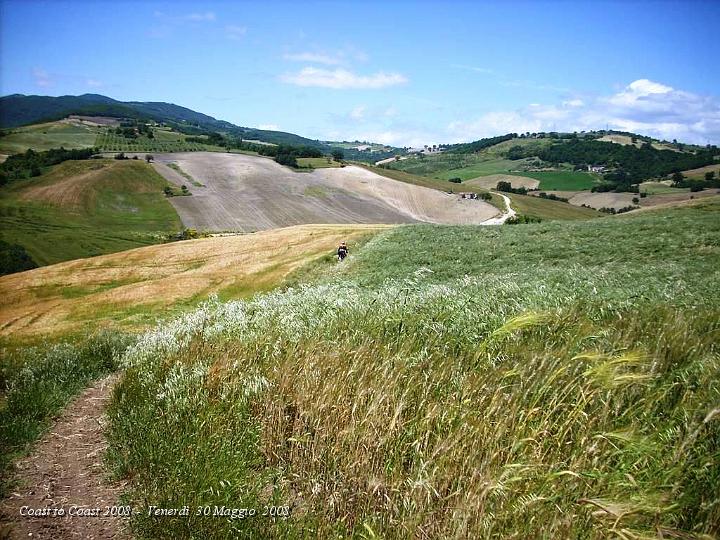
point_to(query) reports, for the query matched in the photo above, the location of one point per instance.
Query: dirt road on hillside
(64, 470)
(509, 212)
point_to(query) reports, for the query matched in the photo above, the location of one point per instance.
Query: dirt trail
(506, 215)
(64, 470)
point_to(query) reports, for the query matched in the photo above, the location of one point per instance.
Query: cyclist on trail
(342, 251)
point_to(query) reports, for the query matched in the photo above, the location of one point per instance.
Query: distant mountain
(20, 110)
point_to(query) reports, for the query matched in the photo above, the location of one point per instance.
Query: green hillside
(556, 380)
(559, 160)
(86, 208)
(21, 110)
(41, 137)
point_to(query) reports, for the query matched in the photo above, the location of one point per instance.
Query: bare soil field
(490, 182)
(621, 200)
(603, 200)
(93, 120)
(249, 193)
(669, 198)
(124, 288)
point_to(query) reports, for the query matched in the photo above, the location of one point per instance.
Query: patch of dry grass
(112, 289)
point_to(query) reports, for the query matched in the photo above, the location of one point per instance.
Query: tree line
(476, 146)
(31, 163)
(284, 154)
(631, 164)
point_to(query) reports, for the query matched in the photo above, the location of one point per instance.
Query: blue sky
(404, 73)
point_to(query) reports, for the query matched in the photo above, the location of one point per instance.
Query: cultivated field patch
(250, 193)
(70, 134)
(490, 182)
(604, 200)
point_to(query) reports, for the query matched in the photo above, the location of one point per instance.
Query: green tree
(678, 179)
(338, 155)
(502, 185)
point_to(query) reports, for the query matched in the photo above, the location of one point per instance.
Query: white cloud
(342, 78)
(208, 16)
(42, 78)
(235, 32)
(643, 106)
(313, 58)
(474, 68)
(636, 91)
(358, 112)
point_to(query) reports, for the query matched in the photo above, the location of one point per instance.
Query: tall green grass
(527, 393)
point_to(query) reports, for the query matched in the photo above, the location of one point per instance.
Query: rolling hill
(249, 193)
(18, 110)
(562, 378)
(132, 289)
(90, 207)
(85, 208)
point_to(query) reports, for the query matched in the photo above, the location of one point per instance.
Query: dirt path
(66, 470)
(505, 216)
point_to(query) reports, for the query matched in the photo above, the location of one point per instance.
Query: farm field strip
(128, 287)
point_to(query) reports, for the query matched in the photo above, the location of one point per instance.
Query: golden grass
(111, 289)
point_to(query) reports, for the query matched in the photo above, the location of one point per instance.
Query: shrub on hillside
(287, 159)
(520, 219)
(14, 258)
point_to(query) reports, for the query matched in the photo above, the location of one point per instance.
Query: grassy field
(42, 137)
(655, 188)
(548, 210)
(185, 175)
(86, 208)
(563, 180)
(463, 166)
(318, 163)
(555, 380)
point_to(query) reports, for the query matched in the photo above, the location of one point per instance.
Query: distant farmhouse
(596, 168)
(434, 149)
